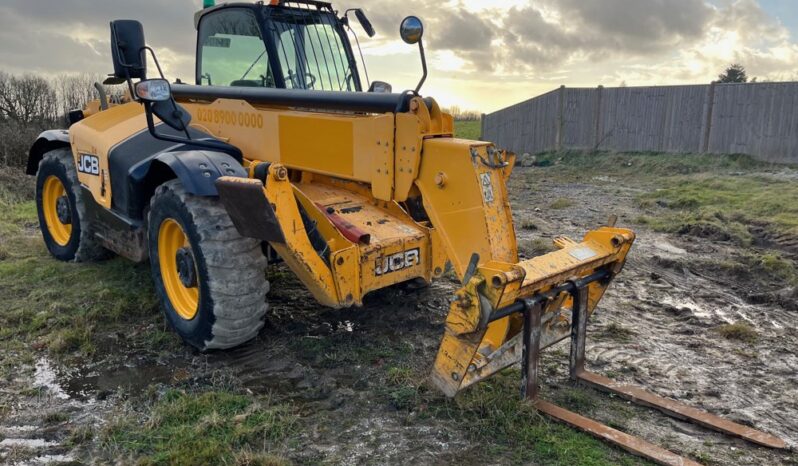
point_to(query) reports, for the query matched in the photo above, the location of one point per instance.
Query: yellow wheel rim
(171, 239)
(53, 190)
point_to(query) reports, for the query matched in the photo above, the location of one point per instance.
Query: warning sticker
(582, 253)
(487, 187)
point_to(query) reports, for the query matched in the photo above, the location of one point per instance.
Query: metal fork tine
(681, 411)
(630, 443)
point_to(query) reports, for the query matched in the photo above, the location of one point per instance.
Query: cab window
(232, 52)
(312, 55)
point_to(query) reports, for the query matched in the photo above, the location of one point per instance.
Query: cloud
(476, 43)
(73, 35)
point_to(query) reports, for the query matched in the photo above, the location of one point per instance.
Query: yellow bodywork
(364, 171)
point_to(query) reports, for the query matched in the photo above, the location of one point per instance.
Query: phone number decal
(228, 117)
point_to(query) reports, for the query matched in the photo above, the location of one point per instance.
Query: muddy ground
(354, 378)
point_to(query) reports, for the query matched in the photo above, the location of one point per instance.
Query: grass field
(77, 313)
(467, 129)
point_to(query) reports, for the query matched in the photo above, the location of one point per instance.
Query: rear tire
(63, 220)
(211, 281)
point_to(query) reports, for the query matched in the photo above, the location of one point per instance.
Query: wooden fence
(760, 119)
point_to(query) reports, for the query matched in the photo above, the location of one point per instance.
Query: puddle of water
(697, 310)
(45, 376)
(132, 379)
(12, 430)
(54, 459)
(604, 178)
(31, 443)
(665, 246)
(346, 326)
(83, 383)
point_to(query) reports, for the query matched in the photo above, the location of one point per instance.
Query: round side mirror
(411, 30)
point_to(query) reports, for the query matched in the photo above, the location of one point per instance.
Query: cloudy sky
(483, 54)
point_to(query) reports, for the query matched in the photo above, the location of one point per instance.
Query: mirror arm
(423, 66)
(213, 145)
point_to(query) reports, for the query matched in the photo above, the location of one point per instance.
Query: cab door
(231, 50)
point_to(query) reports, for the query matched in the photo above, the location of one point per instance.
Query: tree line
(462, 115)
(30, 104)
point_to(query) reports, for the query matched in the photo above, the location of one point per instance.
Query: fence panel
(529, 126)
(756, 118)
(579, 118)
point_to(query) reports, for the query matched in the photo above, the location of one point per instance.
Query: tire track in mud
(681, 354)
(673, 308)
(330, 363)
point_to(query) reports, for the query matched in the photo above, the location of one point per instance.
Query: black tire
(82, 245)
(230, 270)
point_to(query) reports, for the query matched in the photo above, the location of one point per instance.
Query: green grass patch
(536, 247)
(725, 207)
(203, 428)
(63, 306)
(468, 129)
(79, 435)
(493, 415)
(561, 203)
(344, 349)
(66, 304)
(492, 412)
(617, 332)
(739, 331)
(56, 417)
(646, 164)
(764, 268)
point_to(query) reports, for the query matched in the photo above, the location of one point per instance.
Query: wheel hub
(62, 210)
(185, 267)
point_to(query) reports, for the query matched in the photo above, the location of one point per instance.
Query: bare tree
(30, 104)
(27, 99)
(74, 91)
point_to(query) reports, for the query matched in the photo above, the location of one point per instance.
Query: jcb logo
(398, 261)
(89, 164)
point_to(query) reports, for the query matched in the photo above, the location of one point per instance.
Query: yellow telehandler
(277, 153)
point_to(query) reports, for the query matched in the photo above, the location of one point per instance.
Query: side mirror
(411, 30)
(364, 22)
(127, 47)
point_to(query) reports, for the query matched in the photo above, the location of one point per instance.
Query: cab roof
(295, 4)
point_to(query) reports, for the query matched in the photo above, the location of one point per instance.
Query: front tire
(63, 220)
(211, 281)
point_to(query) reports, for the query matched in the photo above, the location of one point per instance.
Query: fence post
(560, 117)
(597, 118)
(708, 107)
(481, 126)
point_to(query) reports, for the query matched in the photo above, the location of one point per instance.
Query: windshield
(311, 52)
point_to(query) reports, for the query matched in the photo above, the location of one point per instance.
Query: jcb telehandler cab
(276, 153)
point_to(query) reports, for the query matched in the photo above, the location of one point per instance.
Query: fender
(47, 141)
(198, 170)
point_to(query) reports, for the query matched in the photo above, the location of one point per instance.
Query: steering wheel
(311, 81)
(292, 77)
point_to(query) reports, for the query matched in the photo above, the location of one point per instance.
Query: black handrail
(366, 102)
